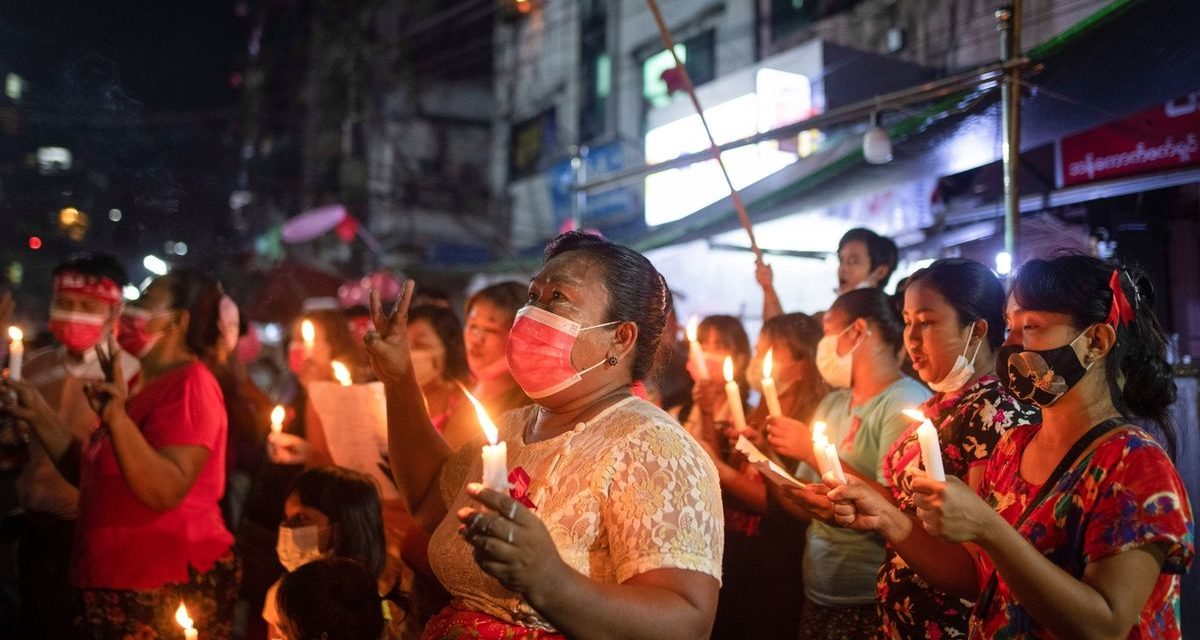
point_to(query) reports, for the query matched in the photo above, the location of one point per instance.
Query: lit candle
(277, 415)
(931, 449)
(834, 462)
(309, 334)
(341, 374)
(185, 621)
(819, 443)
(16, 353)
(734, 396)
(695, 352)
(768, 386)
(495, 454)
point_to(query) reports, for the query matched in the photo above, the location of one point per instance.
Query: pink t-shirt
(120, 542)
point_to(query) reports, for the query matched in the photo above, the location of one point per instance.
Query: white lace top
(623, 494)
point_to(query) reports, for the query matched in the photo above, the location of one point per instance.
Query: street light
(155, 265)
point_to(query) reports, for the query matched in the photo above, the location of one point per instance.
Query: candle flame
(15, 334)
(277, 416)
(769, 363)
(819, 432)
(342, 374)
(693, 326)
(182, 618)
(914, 414)
(728, 369)
(485, 422)
(308, 332)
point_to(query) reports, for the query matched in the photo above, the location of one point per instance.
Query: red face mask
(76, 330)
(539, 352)
(133, 336)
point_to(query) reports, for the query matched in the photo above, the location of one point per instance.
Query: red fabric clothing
(1122, 495)
(460, 622)
(123, 544)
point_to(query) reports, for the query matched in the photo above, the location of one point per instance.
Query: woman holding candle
(613, 527)
(860, 356)
(150, 531)
(953, 323)
(1084, 525)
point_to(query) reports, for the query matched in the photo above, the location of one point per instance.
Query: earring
(612, 361)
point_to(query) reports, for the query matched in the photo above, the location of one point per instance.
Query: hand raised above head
(387, 344)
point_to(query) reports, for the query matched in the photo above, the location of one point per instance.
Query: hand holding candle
(185, 621)
(931, 449)
(16, 353)
(770, 393)
(733, 394)
(277, 416)
(495, 454)
(695, 353)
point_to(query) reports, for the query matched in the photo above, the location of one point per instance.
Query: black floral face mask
(1040, 377)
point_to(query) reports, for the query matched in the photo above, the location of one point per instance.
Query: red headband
(97, 287)
(1121, 311)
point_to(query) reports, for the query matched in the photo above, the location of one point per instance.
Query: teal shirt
(841, 566)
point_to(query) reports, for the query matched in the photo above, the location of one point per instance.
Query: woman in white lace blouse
(613, 527)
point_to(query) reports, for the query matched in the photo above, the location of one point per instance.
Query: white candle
(695, 352)
(931, 449)
(277, 416)
(342, 374)
(834, 463)
(185, 621)
(770, 393)
(16, 353)
(495, 454)
(733, 396)
(819, 444)
(309, 334)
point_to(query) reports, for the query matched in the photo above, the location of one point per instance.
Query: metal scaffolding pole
(1010, 110)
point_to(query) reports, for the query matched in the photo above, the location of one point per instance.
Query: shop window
(659, 82)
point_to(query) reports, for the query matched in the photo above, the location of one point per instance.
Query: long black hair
(637, 292)
(450, 331)
(199, 295)
(1139, 379)
(332, 598)
(874, 306)
(351, 502)
(972, 289)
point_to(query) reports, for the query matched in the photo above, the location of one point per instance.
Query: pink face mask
(539, 351)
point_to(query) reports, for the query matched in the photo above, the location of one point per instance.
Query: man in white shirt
(83, 312)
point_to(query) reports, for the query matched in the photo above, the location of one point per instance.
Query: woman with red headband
(150, 533)
(1081, 527)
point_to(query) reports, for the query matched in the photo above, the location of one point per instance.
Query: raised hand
(108, 398)
(765, 275)
(387, 345)
(859, 506)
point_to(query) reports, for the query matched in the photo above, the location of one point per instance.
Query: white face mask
(298, 546)
(425, 365)
(836, 369)
(961, 372)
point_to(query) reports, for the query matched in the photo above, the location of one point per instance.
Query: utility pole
(1009, 19)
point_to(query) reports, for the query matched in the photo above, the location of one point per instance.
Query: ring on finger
(512, 510)
(509, 537)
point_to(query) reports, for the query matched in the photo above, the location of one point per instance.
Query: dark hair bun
(1149, 383)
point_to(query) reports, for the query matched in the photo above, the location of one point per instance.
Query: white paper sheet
(765, 465)
(355, 422)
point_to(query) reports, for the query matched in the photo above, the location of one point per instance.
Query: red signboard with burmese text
(1164, 137)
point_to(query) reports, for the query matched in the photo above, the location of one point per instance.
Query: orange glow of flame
(768, 363)
(485, 422)
(15, 334)
(308, 332)
(181, 617)
(728, 369)
(342, 374)
(277, 416)
(913, 414)
(819, 432)
(693, 326)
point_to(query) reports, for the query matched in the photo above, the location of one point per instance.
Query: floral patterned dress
(970, 422)
(1121, 496)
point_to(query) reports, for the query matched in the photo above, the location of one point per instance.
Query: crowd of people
(160, 487)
